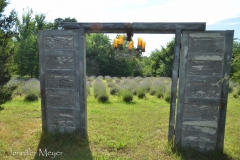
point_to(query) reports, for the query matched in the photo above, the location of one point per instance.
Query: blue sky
(218, 14)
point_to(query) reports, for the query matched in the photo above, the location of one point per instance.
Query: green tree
(27, 57)
(101, 58)
(159, 63)
(235, 66)
(6, 51)
(145, 67)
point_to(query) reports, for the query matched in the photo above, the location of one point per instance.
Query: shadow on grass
(189, 153)
(59, 146)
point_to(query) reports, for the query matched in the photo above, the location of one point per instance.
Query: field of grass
(116, 130)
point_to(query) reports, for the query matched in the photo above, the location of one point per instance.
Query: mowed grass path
(116, 130)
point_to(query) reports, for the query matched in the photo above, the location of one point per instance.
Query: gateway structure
(204, 58)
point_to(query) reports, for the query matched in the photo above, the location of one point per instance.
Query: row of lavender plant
(29, 89)
(127, 87)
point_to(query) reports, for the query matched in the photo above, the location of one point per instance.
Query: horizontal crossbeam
(136, 27)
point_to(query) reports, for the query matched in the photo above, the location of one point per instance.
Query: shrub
(235, 95)
(117, 81)
(130, 84)
(113, 91)
(134, 92)
(141, 91)
(143, 88)
(152, 92)
(100, 77)
(89, 83)
(126, 89)
(111, 84)
(160, 94)
(108, 78)
(127, 98)
(31, 86)
(103, 98)
(167, 97)
(100, 91)
(92, 78)
(141, 95)
(146, 84)
(31, 97)
(6, 93)
(158, 88)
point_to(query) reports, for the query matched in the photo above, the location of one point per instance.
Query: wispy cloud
(233, 23)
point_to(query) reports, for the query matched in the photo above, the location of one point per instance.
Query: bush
(6, 93)
(108, 78)
(113, 91)
(235, 95)
(31, 86)
(117, 81)
(134, 92)
(31, 97)
(126, 89)
(158, 88)
(92, 78)
(141, 95)
(99, 77)
(142, 89)
(100, 91)
(111, 84)
(160, 94)
(167, 97)
(128, 98)
(152, 92)
(103, 98)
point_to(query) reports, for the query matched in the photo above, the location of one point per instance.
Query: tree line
(19, 51)
(99, 51)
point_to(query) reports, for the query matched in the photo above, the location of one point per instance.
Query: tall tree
(6, 50)
(101, 58)
(159, 63)
(27, 56)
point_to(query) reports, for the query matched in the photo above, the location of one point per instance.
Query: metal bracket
(128, 30)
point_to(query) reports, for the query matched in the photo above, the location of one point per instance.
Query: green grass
(116, 130)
